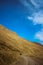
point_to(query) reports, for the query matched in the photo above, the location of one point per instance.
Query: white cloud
(39, 35)
(37, 18)
(37, 3)
(30, 18)
(34, 3)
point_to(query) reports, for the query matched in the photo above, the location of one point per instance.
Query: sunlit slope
(13, 46)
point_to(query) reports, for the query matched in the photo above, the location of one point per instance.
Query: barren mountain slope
(18, 51)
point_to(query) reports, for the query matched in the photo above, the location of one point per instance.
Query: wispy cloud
(37, 18)
(39, 35)
(27, 4)
(37, 3)
(34, 3)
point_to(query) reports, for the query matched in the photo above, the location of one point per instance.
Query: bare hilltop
(15, 50)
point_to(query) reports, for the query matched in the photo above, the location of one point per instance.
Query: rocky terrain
(15, 50)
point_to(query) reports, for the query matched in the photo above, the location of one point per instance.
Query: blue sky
(25, 17)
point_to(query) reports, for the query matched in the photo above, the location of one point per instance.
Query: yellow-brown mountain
(15, 50)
